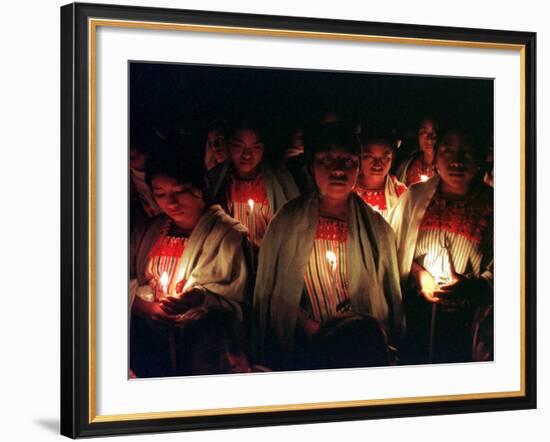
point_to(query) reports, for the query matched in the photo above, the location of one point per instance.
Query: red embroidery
(374, 198)
(168, 246)
(331, 229)
(241, 191)
(459, 217)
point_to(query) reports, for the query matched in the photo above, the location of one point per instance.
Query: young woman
(375, 185)
(247, 186)
(216, 149)
(325, 255)
(419, 166)
(444, 229)
(183, 262)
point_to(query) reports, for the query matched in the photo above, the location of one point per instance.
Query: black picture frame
(77, 416)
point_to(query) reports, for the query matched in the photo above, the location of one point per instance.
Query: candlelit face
(335, 172)
(182, 202)
(427, 135)
(246, 152)
(376, 159)
(457, 161)
(217, 144)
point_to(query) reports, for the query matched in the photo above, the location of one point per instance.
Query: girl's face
(183, 203)
(456, 161)
(427, 136)
(217, 144)
(246, 152)
(335, 172)
(376, 159)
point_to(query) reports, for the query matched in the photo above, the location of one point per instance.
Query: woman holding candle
(247, 186)
(183, 262)
(375, 185)
(444, 230)
(419, 166)
(305, 272)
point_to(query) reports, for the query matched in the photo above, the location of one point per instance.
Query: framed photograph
(273, 220)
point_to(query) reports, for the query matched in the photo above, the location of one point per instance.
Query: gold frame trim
(93, 24)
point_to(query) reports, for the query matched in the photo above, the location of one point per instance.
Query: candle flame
(440, 271)
(164, 282)
(331, 258)
(251, 204)
(424, 177)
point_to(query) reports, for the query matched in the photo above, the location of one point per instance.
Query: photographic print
(379, 188)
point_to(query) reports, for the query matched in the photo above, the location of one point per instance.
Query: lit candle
(164, 283)
(251, 219)
(332, 262)
(331, 258)
(164, 279)
(251, 237)
(441, 271)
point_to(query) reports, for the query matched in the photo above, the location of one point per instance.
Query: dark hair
(470, 135)
(379, 133)
(425, 117)
(329, 136)
(174, 162)
(219, 125)
(254, 123)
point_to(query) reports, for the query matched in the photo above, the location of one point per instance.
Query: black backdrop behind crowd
(186, 98)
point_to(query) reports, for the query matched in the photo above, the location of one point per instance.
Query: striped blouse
(326, 279)
(450, 236)
(164, 260)
(247, 201)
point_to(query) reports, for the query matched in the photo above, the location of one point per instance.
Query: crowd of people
(344, 246)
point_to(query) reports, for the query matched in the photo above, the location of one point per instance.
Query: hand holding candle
(180, 304)
(457, 292)
(162, 286)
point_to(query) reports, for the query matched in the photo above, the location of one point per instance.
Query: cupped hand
(160, 318)
(455, 295)
(179, 304)
(427, 285)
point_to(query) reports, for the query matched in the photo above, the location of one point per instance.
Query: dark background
(185, 98)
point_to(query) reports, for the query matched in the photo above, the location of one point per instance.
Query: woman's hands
(452, 296)
(172, 311)
(180, 304)
(457, 294)
(425, 282)
(154, 314)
